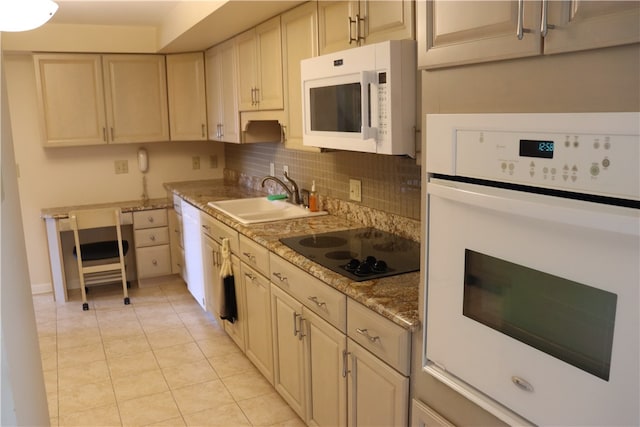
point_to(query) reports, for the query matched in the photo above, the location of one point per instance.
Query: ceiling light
(25, 15)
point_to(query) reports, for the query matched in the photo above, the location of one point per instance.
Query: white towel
(226, 269)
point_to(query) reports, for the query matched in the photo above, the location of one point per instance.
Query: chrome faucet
(293, 194)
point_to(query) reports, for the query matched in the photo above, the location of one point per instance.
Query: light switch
(355, 190)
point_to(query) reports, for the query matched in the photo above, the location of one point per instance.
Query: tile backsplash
(389, 183)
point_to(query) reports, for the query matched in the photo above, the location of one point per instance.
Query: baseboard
(41, 288)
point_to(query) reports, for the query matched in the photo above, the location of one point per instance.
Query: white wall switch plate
(121, 166)
(272, 169)
(355, 190)
(285, 169)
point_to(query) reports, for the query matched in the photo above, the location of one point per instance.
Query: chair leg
(83, 289)
(127, 301)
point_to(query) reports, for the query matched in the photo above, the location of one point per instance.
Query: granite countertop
(395, 297)
(126, 206)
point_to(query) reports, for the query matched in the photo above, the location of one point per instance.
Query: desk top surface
(126, 206)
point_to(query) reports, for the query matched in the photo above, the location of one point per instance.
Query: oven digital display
(535, 148)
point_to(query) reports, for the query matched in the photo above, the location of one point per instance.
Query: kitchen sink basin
(260, 209)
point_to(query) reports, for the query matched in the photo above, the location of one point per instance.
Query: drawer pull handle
(280, 276)
(365, 332)
(251, 276)
(318, 303)
(154, 262)
(152, 238)
(150, 219)
(300, 334)
(206, 227)
(250, 256)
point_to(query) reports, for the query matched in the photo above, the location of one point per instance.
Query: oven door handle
(590, 215)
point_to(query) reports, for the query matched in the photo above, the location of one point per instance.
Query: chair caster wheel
(85, 306)
(126, 301)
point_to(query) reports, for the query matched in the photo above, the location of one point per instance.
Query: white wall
(24, 400)
(53, 177)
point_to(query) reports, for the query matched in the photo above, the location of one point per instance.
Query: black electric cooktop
(360, 254)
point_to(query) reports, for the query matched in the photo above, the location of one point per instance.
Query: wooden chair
(99, 262)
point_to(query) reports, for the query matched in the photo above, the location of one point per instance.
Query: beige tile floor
(160, 361)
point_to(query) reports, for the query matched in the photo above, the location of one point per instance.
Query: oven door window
(568, 320)
(336, 108)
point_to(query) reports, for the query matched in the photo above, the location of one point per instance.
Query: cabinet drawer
(319, 297)
(254, 255)
(151, 237)
(153, 261)
(380, 336)
(218, 231)
(150, 219)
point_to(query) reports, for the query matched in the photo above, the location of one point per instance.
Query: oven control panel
(598, 164)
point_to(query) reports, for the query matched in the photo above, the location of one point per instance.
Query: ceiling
(114, 12)
(181, 25)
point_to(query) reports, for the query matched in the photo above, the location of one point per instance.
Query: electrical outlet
(272, 169)
(195, 162)
(213, 161)
(121, 166)
(285, 169)
(355, 190)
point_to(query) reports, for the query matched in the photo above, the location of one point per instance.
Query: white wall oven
(533, 264)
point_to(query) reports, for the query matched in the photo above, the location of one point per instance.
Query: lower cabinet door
(153, 261)
(288, 350)
(378, 394)
(327, 358)
(236, 329)
(258, 339)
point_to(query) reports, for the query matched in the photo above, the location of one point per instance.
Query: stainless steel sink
(260, 209)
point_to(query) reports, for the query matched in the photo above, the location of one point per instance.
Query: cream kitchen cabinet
(288, 350)
(222, 94)
(424, 416)
(345, 24)
(88, 99)
(379, 368)
(259, 67)
(212, 233)
(309, 334)
(258, 338)
(151, 236)
(71, 99)
(187, 97)
(378, 394)
(136, 98)
(299, 41)
(457, 33)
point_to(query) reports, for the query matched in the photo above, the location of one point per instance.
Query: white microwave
(362, 99)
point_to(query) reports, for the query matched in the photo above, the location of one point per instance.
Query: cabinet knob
(154, 262)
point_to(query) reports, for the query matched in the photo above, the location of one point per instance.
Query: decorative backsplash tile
(389, 183)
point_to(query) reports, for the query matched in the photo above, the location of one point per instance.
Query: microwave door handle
(368, 131)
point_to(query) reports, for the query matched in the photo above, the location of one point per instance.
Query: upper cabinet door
(462, 32)
(345, 24)
(299, 41)
(387, 20)
(336, 31)
(71, 99)
(580, 25)
(458, 32)
(222, 98)
(269, 45)
(136, 94)
(187, 99)
(260, 67)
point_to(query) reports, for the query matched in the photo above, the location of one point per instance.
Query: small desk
(57, 225)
